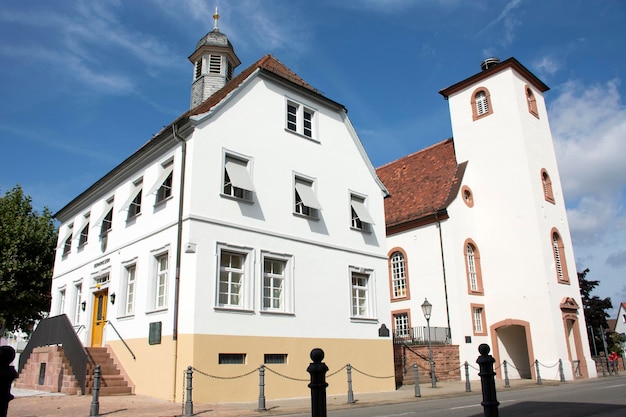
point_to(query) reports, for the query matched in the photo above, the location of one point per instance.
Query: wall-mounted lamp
(113, 298)
(83, 305)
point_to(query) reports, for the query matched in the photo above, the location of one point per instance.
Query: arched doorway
(575, 353)
(511, 341)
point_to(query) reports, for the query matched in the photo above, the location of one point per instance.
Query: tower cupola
(214, 61)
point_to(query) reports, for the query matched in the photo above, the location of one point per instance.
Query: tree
(27, 245)
(595, 309)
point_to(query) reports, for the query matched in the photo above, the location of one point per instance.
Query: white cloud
(508, 20)
(546, 66)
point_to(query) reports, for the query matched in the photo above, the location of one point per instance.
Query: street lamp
(427, 309)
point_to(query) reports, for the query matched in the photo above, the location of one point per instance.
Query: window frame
(82, 232)
(67, 242)
(360, 217)
(480, 310)
(246, 294)
(394, 323)
(531, 101)
(300, 119)
(476, 271)
(366, 292)
(287, 305)
(133, 203)
(78, 299)
(242, 188)
(153, 304)
(312, 210)
(474, 103)
(130, 289)
(468, 196)
(546, 185)
(558, 254)
(164, 185)
(392, 277)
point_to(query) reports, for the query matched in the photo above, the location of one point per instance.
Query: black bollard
(94, 410)
(189, 401)
(487, 381)
(318, 384)
(7, 375)
(417, 380)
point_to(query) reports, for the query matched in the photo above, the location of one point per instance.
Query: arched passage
(511, 341)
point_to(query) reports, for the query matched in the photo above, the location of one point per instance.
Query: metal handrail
(77, 329)
(122, 339)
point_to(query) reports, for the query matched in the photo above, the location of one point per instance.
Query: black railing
(58, 330)
(122, 339)
(419, 336)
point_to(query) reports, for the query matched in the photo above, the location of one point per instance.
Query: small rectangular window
(78, 300)
(401, 325)
(306, 202)
(165, 188)
(215, 64)
(237, 179)
(232, 358)
(362, 306)
(274, 358)
(308, 123)
(292, 117)
(129, 304)
(133, 202)
(478, 320)
(84, 235)
(361, 218)
(162, 271)
(67, 243)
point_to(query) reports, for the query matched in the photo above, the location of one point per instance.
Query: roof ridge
(443, 142)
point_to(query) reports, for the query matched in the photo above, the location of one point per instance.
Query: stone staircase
(112, 382)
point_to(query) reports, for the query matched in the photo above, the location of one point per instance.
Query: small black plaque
(154, 335)
(468, 339)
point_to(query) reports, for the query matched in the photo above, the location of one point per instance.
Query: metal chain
(285, 376)
(546, 366)
(473, 367)
(372, 376)
(336, 372)
(224, 377)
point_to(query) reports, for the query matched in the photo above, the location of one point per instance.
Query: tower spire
(216, 17)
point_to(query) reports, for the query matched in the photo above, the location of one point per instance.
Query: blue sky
(86, 83)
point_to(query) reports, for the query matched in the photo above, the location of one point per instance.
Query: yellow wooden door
(99, 316)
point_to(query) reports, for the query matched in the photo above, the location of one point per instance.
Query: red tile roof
(267, 63)
(421, 185)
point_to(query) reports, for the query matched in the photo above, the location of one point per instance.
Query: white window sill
(126, 317)
(277, 312)
(234, 308)
(238, 199)
(363, 320)
(162, 202)
(305, 216)
(156, 310)
(293, 132)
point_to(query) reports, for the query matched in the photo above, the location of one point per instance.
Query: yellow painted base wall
(153, 373)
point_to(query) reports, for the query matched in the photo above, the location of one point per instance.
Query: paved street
(604, 397)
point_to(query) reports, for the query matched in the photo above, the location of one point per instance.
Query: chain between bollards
(487, 380)
(189, 401)
(94, 410)
(416, 378)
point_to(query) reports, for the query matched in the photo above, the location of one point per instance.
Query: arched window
(398, 274)
(481, 103)
(560, 265)
(532, 102)
(472, 268)
(468, 196)
(546, 183)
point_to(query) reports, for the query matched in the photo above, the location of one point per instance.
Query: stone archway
(511, 341)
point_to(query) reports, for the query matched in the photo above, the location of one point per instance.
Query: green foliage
(27, 245)
(595, 309)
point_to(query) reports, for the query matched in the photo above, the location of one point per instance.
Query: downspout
(179, 238)
(443, 270)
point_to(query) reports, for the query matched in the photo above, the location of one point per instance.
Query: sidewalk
(41, 404)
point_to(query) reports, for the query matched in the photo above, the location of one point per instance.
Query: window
(532, 102)
(277, 283)
(61, 301)
(78, 300)
(306, 203)
(481, 103)
(106, 225)
(300, 119)
(478, 319)
(361, 219)
(274, 358)
(362, 296)
(160, 282)
(546, 184)
(237, 179)
(398, 274)
(163, 185)
(232, 358)
(133, 203)
(215, 64)
(468, 197)
(83, 232)
(559, 258)
(472, 268)
(198, 69)
(129, 296)
(67, 243)
(401, 325)
(234, 285)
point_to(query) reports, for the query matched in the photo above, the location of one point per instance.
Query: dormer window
(481, 103)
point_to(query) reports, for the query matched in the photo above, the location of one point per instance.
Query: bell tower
(213, 63)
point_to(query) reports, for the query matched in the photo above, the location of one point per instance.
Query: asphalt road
(602, 397)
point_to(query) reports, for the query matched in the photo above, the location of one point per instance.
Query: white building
(620, 325)
(248, 231)
(477, 225)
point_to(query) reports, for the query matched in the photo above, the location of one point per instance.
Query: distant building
(620, 325)
(248, 231)
(477, 225)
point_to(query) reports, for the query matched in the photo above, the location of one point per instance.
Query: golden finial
(216, 17)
